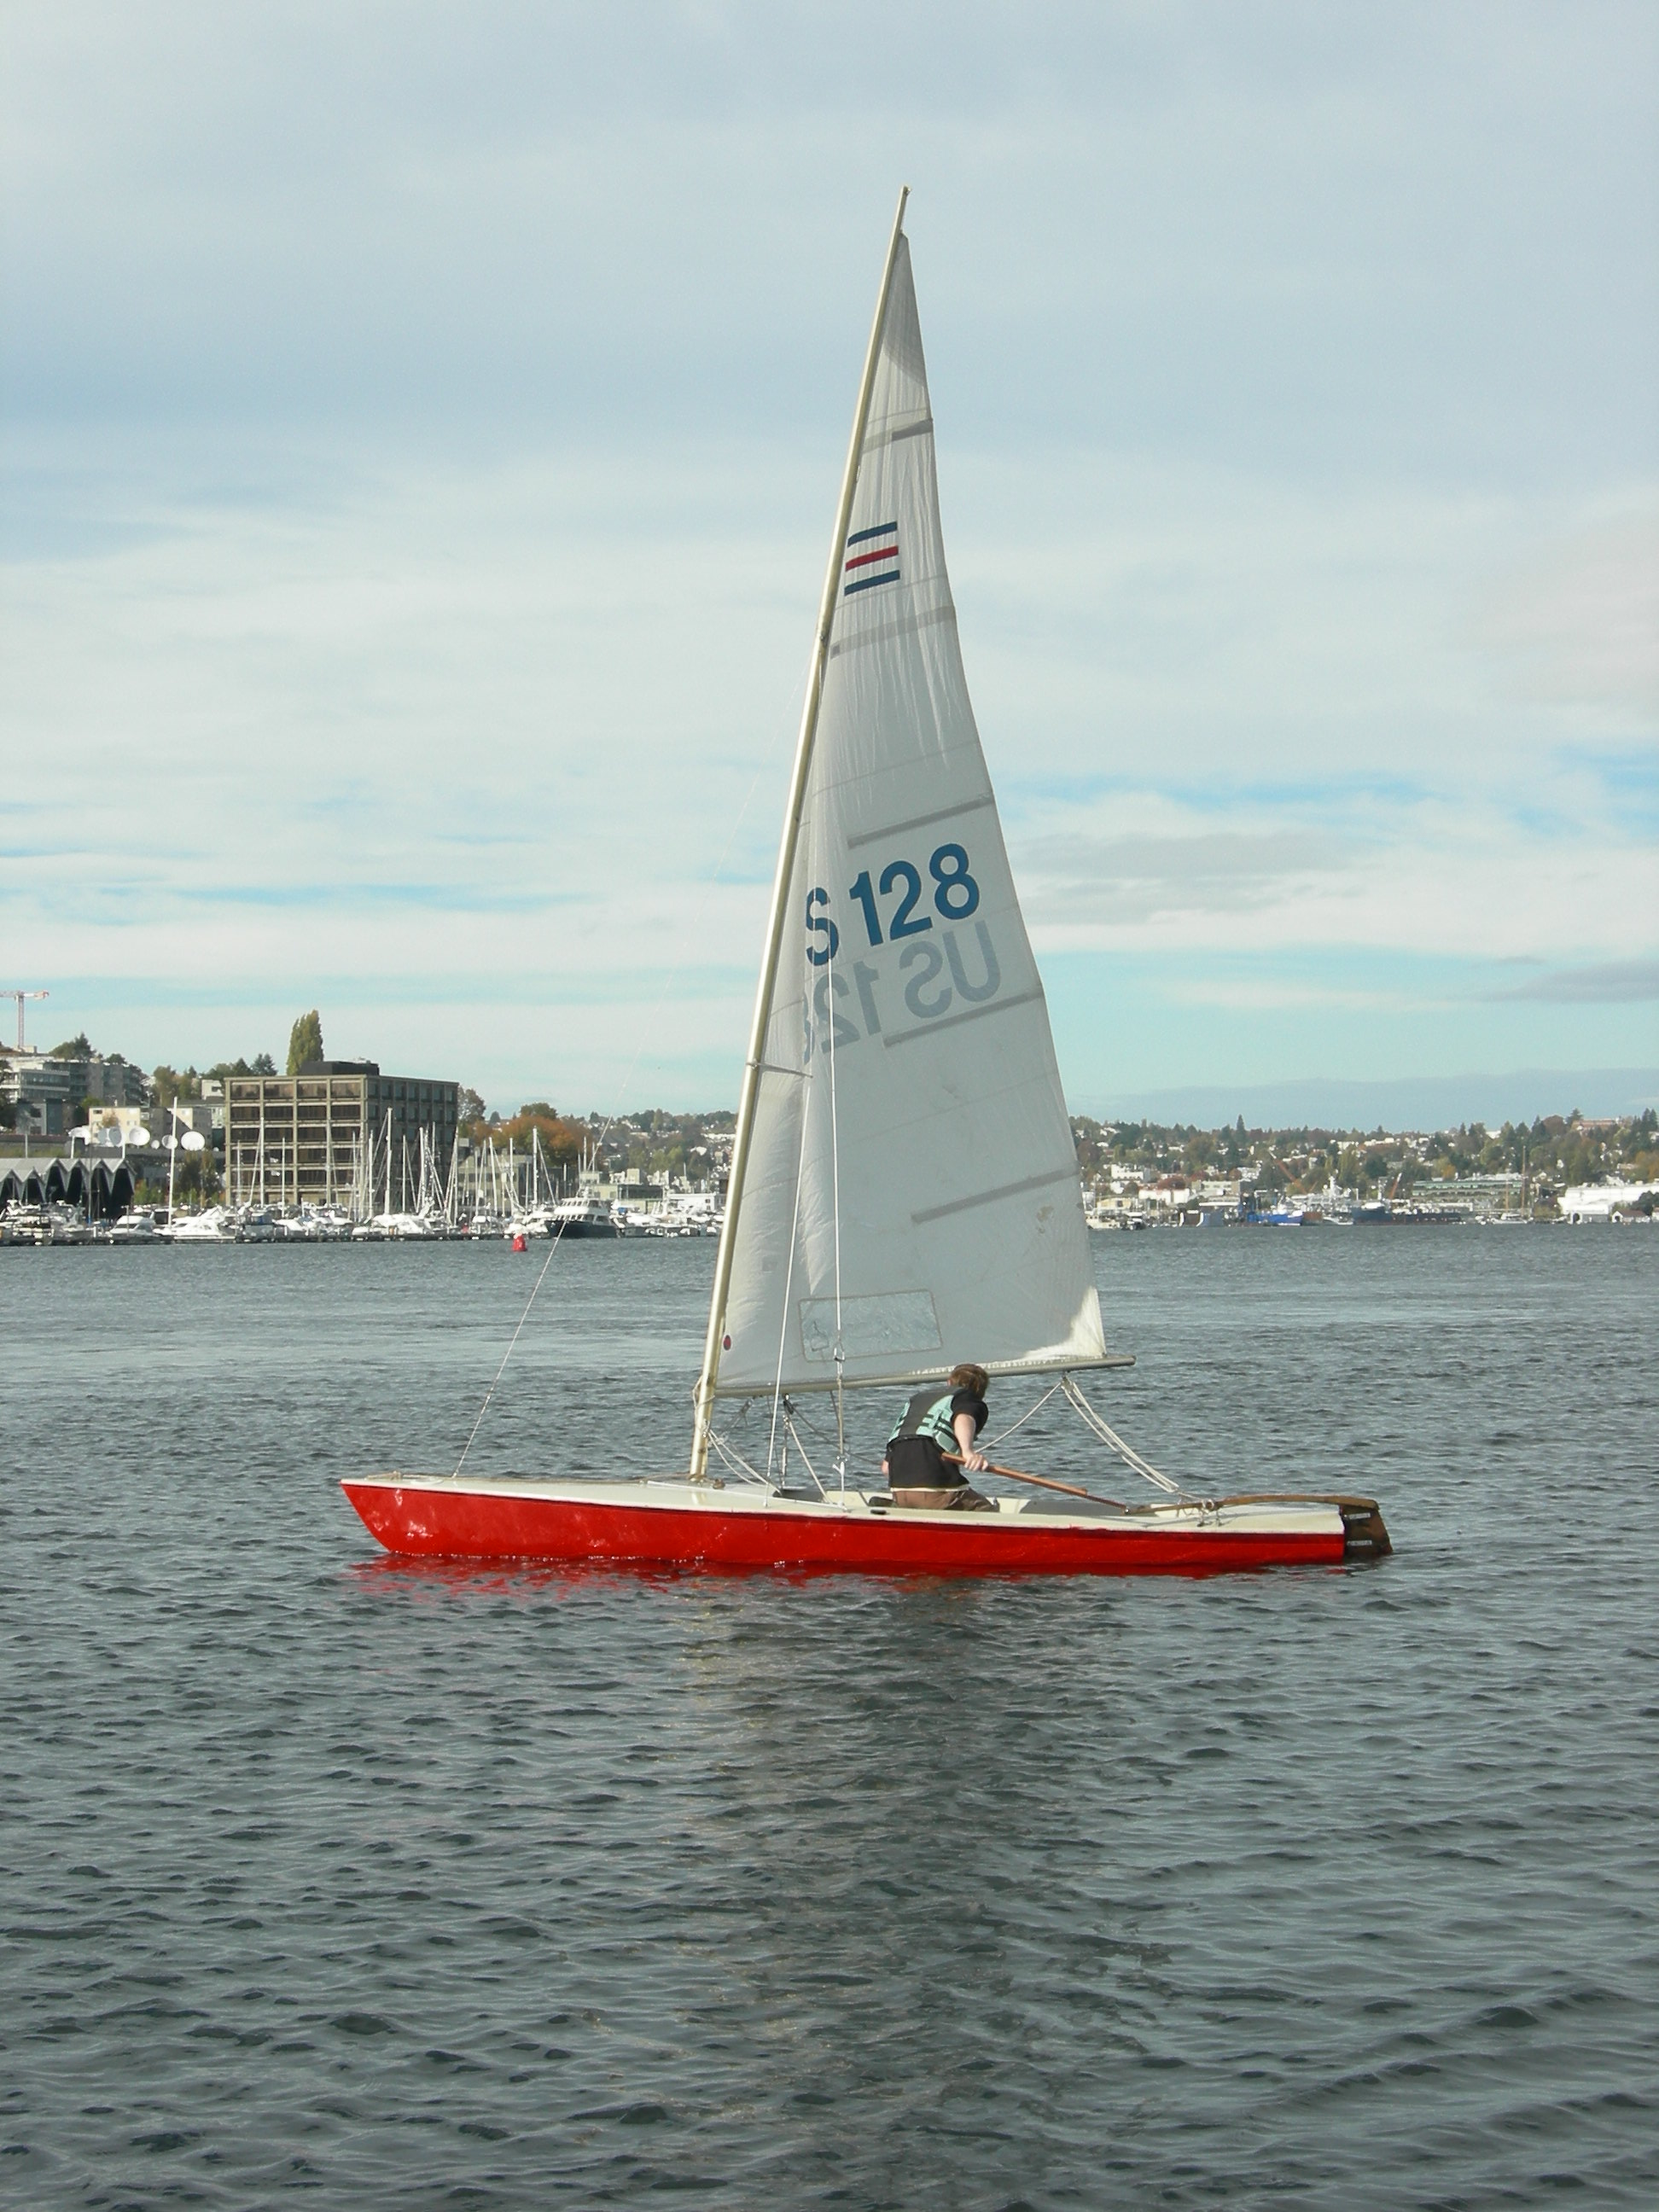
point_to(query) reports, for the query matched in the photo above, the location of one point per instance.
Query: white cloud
(1578, 621)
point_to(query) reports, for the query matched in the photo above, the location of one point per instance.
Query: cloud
(1310, 245)
(1608, 982)
(1579, 622)
(1076, 878)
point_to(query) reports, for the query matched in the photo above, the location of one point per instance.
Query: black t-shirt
(969, 1401)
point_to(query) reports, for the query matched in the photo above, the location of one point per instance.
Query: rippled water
(420, 1886)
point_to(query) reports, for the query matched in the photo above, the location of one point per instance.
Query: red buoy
(521, 1244)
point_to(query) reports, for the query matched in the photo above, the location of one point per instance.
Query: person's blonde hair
(968, 1377)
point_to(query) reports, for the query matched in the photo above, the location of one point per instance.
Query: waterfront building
(48, 1091)
(102, 1187)
(111, 1126)
(615, 1187)
(205, 1115)
(1600, 1201)
(328, 1135)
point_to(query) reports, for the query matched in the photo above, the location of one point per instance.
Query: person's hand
(974, 1461)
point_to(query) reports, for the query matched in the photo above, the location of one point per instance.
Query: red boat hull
(445, 1521)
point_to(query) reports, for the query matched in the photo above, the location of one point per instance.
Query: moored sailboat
(903, 1192)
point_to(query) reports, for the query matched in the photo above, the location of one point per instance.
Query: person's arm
(973, 1460)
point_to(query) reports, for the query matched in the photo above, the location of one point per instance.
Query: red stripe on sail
(863, 560)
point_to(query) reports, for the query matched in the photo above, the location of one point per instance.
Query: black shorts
(917, 1463)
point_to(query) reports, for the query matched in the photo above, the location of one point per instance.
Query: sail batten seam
(906, 626)
(991, 1197)
(892, 437)
(919, 822)
(954, 1021)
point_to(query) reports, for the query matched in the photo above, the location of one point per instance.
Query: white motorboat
(135, 1229)
(215, 1225)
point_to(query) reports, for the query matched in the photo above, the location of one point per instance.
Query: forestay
(911, 1196)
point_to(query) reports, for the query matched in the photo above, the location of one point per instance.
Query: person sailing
(933, 1423)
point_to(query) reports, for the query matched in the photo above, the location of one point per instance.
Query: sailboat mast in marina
(904, 1193)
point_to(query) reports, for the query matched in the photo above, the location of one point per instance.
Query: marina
(50, 1219)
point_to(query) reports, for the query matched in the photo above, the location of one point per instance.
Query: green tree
(168, 1084)
(305, 1040)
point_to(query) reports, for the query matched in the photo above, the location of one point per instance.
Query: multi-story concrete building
(333, 1133)
(48, 1090)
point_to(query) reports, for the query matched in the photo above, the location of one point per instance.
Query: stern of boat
(1364, 1536)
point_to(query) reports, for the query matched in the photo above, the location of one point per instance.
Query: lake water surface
(328, 1876)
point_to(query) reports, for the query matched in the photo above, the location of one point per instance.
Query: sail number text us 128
(936, 973)
(956, 895)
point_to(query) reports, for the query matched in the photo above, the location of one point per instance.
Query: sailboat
(903, 1192)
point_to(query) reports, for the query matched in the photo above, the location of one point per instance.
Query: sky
(421, 429)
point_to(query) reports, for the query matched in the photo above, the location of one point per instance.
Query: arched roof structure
(102, 1189)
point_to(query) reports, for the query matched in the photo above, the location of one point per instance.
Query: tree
(263, 1065)
(469, 1107)
(305, 1040)
(561, 1141)
(75, 1047)
(169, 1084)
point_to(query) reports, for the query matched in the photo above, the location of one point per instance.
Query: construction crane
(20, 996)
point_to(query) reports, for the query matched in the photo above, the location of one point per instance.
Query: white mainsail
(906, 1194)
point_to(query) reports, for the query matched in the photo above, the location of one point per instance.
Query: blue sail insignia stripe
(882, 530)
(863, 583)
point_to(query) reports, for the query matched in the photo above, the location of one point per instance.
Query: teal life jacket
(928, 1415)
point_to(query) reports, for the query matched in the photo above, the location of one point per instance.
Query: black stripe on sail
(863, 583)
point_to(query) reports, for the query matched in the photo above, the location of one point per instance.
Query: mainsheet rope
(1110, 1436)
(788, 1281)
(1067, 1386)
